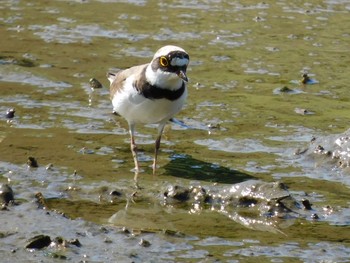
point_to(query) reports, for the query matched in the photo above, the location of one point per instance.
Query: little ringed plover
(151, 93)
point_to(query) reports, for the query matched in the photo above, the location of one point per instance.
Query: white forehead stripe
(166, 50)
(179, 62)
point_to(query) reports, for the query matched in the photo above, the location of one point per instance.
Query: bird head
(169, 66)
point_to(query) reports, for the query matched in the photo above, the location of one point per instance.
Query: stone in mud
(307, 205)
(58, 240)
(74, 242)
(144, 243)
(115, 193)
(315, 216)
(178, 193)
(285, 89)
(95, 84)
(40, 200)
(184, 194)
(38, 242)
(301, 111)
(213, 126)
(6, 194)
(32, 162)
(10, 113)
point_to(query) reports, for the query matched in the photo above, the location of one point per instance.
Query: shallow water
(239, 125)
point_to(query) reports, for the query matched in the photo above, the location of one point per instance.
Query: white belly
(137, 109)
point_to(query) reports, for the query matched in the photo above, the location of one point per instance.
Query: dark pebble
(144, 243)
(306, 203)
(74, 242)
(58, 240)
(40, 200)
(125, 230)
(10, 113)
(115, 193)
(178, 193)
(285, 89)
(32, 162)
(315, 216)
(300, 151)
(95, 84)
(6, 194)
(38, 242)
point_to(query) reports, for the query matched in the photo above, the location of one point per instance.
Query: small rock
(115, 193)
(6, 194)
(49, 166)
(40, 200)
(300, 151)
(302, 111)
(74, 242)
(32, 162)
(125, 230)
(315, 216)
(144, 243)
(178, 193)
(10, 113)
(58, 241)
(38, 242)
(305, 79)
(95, 84)
(307, 205)
(285, 89)
(212, 126)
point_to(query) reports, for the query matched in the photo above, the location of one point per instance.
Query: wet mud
(254, 168)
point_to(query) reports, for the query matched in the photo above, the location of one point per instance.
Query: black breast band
(153, 92)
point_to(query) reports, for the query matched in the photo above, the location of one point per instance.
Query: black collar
(153, 92)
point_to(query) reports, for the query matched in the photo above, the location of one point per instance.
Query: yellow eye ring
(163, 61)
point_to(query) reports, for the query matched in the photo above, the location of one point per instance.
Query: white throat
(162, 79)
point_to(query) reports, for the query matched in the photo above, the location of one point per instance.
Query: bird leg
(157, 146)
(133, 148)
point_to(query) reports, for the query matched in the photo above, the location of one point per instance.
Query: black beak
(182, 74)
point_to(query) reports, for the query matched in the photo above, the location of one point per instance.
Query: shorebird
(151, 93)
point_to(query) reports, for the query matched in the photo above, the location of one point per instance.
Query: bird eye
(163, 61)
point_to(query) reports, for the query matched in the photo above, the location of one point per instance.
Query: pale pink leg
(133, 147)
(157, 146)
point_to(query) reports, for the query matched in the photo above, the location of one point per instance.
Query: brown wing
(117, 79)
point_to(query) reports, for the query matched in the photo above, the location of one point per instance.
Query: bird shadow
(185, 166)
